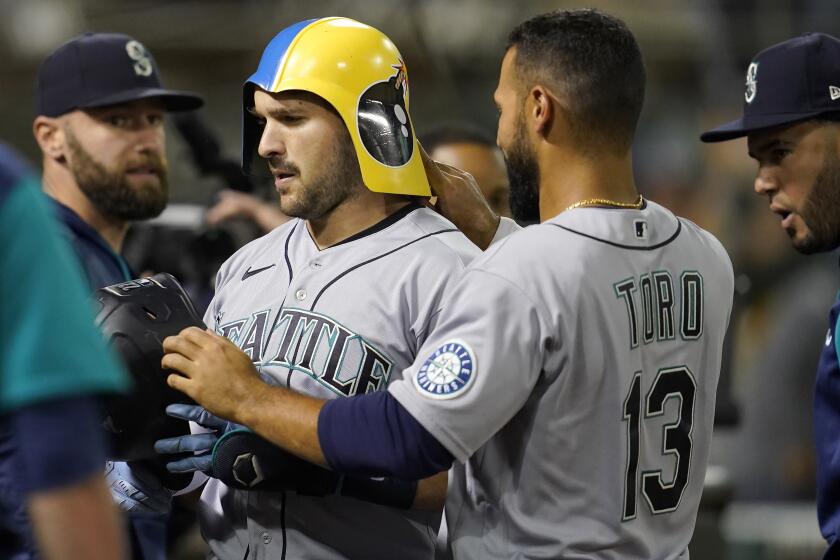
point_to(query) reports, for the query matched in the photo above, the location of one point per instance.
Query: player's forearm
(79, 521)
(372, 439)
(480, 228)
(287, 419)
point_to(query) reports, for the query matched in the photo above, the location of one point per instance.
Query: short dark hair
(593, 62)
(455, 133)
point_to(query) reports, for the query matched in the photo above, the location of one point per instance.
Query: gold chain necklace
(590, 202)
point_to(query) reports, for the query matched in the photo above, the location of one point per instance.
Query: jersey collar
(378, 226)
(82, 229)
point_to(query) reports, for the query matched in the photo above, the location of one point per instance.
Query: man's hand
(460, 200)
(221, 378)
(212, 371)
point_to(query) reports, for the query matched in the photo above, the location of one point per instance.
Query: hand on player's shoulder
(460, 199)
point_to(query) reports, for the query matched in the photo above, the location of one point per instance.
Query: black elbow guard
(246, 461)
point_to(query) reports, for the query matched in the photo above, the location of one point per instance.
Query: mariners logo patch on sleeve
(447, 372)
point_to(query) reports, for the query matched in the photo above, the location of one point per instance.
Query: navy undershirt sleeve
(373, 435)
(58, 442)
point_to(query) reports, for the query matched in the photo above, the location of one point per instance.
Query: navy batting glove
(201, 445)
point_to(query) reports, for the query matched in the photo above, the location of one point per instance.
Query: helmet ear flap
(384, 126)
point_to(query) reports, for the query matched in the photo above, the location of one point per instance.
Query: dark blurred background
(696, 53)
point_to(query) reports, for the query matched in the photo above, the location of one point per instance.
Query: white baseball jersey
(330, 323)
(573, 369)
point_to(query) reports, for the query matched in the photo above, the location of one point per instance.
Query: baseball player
(572, 370)
(100, 108)
(336, 302)
(53, 367)
(790, 118)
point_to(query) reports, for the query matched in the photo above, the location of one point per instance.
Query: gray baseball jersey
(573, 369)
(330, 323)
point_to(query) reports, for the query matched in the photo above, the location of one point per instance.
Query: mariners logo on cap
(447, 372)
(138, 53)
(752, 82)
(383, 120)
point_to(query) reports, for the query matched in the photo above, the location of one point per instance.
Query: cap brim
(173, 100)
(757, 123)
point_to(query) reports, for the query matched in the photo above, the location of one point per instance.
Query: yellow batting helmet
(359, 71)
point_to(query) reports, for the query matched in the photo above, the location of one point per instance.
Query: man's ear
(542, 110)
(50, 136)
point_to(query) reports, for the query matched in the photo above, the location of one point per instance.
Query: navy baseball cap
(793, 81)
(97, 69)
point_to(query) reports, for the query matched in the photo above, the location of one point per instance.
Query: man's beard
(109, 190)
(821, 210)
(338, 181)
(524, 176)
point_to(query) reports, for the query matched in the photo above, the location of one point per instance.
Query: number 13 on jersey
(662, 496)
